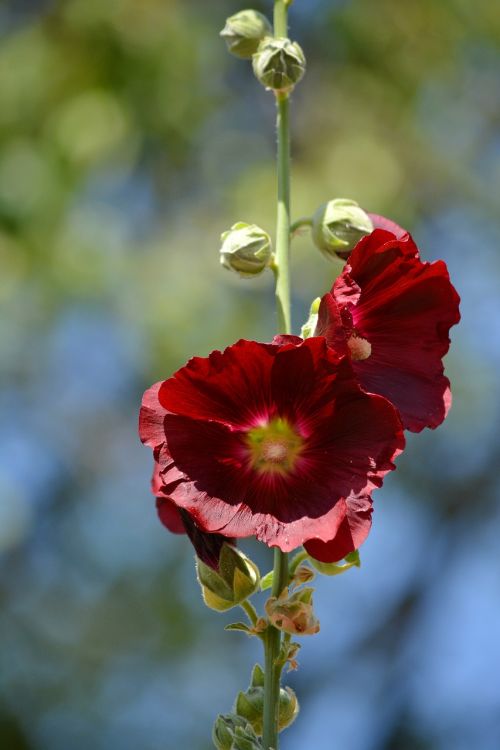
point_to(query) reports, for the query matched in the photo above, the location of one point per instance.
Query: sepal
(352, 560)
(309, 326)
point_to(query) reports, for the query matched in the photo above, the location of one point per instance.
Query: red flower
(273, 440)
(393, 312)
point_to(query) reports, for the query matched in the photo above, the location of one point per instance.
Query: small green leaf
(267, 581)
(239, 626)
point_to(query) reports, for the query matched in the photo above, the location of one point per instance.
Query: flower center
(274, 447)
(359, 347)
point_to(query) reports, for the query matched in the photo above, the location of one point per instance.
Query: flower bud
(244, 31)
(237, 579)
(250, 706)
(246, 249)
(289, 708)
(279, 64)
(224, 728)
(233, 732)
(309, 326)
(338, 226)
(293, 613)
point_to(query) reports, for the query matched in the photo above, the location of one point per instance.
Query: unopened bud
(250, 706)
(233, 732)
(236, 579)
(279, 64)
(223, 730)
(309, 326)
(293, 613)
(244, 31)
(338, 226)
(246, 249)
(289, 708)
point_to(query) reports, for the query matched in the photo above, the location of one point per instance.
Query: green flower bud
(246, 249)
(309, 326)
(224, 728)
(338, 226)
(237, 579)
(231, 732)
(250, 706)
(279, 64)
(244, 31)
(289, 708)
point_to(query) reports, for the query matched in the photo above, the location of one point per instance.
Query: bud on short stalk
(244, 31)
(338, 226)
(279, 64)
(246, 249)
(237, 579)
(250, 704)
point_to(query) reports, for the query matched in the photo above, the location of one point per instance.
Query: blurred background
(129, 140)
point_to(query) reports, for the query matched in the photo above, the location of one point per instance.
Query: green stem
(272, 670)
(272, 639)
(283, 217)
(306, 221)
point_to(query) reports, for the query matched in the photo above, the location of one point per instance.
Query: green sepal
(257, 679)
(266, 581)
(239, 626)
(352, 560)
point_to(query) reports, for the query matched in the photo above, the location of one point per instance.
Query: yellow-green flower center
(274, 447)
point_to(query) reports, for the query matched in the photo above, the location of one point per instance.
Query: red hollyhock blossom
(393, 313)
(276, 441)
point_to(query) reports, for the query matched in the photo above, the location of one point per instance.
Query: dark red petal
(282, 339)
(151, 418)
(170, 515)
(407, 326)
(380, 222)
(351, 534)
(330, 324)
(226, 386)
